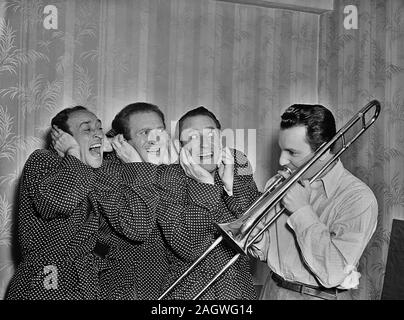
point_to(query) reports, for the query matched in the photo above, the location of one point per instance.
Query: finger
(221, 169)
(55, 134)
(191, 160)
(306, 184)
(121, 139)
(300, 183)
(59, 131)
(116, 145)
(63, 135)
(297, 187)
(115, 141)
(172, 152)
(283, 201)
(125, 144)
(184, 157)
(183, 161)
(177, 145)
(227, 156)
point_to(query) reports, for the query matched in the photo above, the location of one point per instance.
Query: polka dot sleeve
(205, 195)
(186, 213)
(139, 173)
(57, 185)
(129, 207)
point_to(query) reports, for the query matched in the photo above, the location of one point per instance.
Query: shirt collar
(331, 178)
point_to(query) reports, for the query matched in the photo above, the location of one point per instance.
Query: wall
(245, 63)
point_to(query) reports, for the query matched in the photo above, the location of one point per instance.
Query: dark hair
(200, 111)
(60, 120)
(120, 124)
(318, 120)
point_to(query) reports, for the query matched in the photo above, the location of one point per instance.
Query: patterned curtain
(356, 66)
(245, 63)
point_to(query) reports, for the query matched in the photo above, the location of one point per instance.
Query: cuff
(302, 219)
(352, 279)
(204, 194)
(260, 247)
(229, 193)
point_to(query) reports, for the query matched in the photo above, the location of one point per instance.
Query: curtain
(245, 63)
(356, 66)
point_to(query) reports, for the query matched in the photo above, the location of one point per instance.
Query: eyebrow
(85, 122)
(148, 128)
(198, 130)
(89, 121)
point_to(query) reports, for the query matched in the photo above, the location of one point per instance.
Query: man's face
(87, 131)
(202, 138)
(144, 134)
(295, 150)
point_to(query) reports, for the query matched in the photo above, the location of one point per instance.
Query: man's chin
(94, 162)
(209, 167)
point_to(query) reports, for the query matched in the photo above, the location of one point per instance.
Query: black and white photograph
(225, 151)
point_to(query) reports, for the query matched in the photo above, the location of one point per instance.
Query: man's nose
(98, 133)
(205, 142)
(152, 139)
(283, 159)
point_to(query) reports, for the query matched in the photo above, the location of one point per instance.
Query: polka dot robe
(63, 203)
(187, 212)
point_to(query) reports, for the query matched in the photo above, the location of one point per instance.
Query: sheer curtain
(356, 66)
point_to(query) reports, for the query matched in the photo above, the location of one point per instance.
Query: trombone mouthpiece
(277, 179)
(287, 170)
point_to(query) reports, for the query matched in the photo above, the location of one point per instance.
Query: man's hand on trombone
(298, 196)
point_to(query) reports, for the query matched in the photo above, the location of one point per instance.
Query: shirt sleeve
(260, 248)
(332, 252)
(128, 199)
(56, 185)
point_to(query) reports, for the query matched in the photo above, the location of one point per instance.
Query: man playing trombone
(314, 247)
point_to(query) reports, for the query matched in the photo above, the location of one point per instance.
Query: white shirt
(323, 242)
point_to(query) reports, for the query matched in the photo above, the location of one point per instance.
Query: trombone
(237, 233)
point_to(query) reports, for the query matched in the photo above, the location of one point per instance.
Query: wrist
(73, 152)
(228, 186)
(207, 180)
(229, 191)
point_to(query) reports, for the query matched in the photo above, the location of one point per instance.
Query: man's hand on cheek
(226, 170)
(193, 169)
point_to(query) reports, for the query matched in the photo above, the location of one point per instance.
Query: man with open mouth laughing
(204, 188)
(66, 196)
